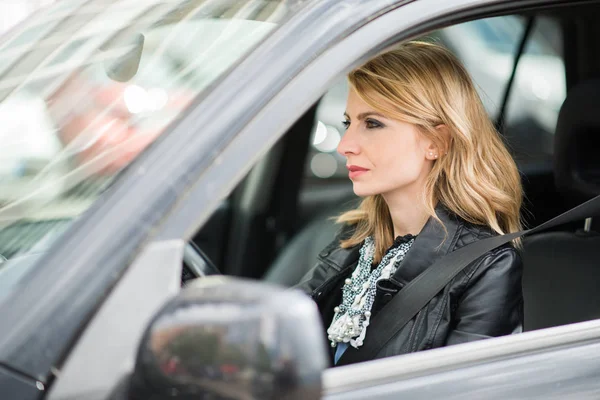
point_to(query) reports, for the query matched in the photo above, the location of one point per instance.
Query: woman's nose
(348, 144)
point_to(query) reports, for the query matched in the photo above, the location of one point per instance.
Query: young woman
(435, 176)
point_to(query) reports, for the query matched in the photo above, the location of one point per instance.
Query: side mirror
(226, 338)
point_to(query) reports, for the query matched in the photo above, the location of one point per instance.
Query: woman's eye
(346, 124)
(373, 124)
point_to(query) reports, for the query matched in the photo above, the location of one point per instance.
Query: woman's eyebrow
(364, 115)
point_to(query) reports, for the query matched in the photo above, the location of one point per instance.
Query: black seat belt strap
(422, 289)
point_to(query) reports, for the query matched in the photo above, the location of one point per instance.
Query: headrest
(577, 142)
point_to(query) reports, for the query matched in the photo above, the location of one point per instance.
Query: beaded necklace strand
(351, 319)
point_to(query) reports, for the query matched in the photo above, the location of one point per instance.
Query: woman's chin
(362, 191)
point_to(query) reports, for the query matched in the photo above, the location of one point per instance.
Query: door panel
(559, 374)
(554, 363)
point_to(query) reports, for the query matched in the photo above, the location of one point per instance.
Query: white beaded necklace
(351, 319)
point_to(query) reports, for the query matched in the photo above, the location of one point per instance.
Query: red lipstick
(354, 171)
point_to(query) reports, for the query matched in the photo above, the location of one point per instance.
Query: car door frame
(350, 52)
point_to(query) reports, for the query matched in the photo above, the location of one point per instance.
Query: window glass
(78, 108)
(536, 97)
(487, 48)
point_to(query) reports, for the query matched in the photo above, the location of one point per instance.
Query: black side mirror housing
(226, 338)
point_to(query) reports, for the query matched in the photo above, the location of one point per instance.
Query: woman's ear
(432, 152)
(435, 151)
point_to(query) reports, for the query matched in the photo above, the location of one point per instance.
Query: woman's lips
(355, 171)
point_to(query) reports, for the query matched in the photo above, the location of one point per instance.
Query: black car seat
(300, 254)
(561, 282)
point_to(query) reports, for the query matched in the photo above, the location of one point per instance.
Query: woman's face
(384, 156)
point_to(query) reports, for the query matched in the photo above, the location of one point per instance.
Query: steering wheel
(196, 264)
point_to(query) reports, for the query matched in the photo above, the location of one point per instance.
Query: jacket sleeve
(320, 271)
(492, 303)
(311, 280)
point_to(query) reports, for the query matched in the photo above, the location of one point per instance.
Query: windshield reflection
(86, 86)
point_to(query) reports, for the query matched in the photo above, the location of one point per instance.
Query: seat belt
(422, 289)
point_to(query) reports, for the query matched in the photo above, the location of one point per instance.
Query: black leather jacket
(483, 301)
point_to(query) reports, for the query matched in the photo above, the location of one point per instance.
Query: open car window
(487, 47)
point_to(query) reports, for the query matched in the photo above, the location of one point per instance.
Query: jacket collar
(431, 244)
(338, 257)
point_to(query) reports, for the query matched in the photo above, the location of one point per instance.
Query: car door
(556, 363)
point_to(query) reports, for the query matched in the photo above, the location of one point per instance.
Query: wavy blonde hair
(475, 177)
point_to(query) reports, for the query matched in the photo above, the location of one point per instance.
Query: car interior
(539, 76)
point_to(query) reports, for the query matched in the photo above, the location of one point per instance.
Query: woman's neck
(408, 213)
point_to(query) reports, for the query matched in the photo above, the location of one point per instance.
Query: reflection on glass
(68, 128)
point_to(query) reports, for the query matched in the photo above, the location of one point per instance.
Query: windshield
(86, 86)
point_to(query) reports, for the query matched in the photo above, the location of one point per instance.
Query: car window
(80, 102)
(487, 47)
(538, 93)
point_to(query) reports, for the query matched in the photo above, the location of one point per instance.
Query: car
(163, 269)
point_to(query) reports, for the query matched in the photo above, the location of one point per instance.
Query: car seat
(561, 281)
(300, 254)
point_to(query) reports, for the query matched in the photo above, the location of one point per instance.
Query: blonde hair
(475, 177)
